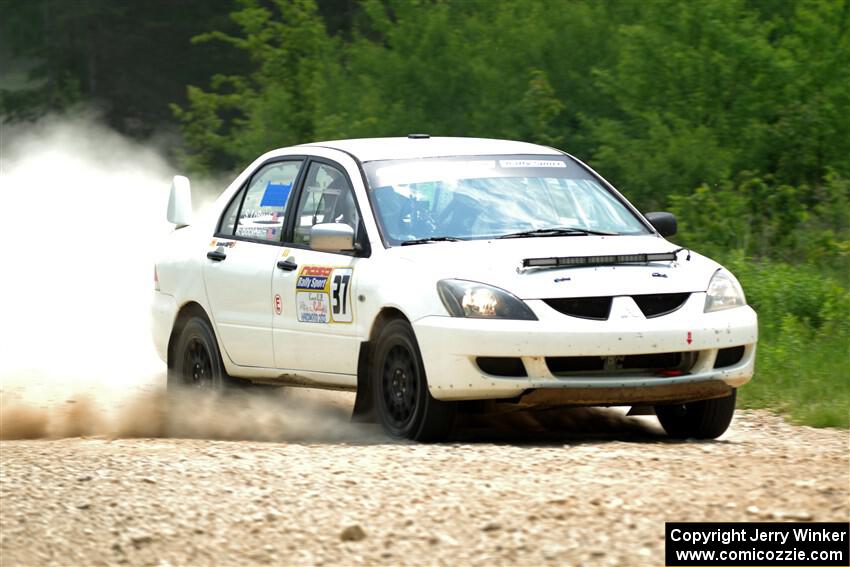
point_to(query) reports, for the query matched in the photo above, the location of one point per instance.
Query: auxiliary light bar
(599, 260)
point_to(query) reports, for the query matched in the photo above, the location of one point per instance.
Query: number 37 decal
(323, 295)
(341, 295)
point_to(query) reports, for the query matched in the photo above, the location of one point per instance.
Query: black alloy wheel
(399, 387)
(405, 407)
(197, 364)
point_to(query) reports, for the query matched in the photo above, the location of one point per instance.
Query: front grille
(674, 363)
(584, 307)
(507, 366)
(729, 356)
(599, 308)
(659, 304)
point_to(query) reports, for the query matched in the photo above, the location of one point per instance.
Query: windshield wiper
(430, 239)
(558, 231)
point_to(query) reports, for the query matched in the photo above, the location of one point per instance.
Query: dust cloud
(83, 217)
(273, 415)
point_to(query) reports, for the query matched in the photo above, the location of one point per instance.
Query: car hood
(499, 263)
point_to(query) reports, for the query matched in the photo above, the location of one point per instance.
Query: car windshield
(479, 197)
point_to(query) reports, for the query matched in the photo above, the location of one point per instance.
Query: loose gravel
(577, 498)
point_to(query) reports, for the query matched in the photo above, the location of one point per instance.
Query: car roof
(419, 146)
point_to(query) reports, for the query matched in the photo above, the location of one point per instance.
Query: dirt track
(578, 499)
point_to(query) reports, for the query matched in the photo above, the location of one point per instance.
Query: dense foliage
(734, 114)
(727, 109)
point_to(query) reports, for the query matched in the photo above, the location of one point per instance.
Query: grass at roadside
(803, 376)
(803, 363)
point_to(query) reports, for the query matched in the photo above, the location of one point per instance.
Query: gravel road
(509, 499)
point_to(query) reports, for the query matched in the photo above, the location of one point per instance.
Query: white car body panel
(450, 345)
(370, 149)
(238, 292)
(257, 343)
(180, 281)
(497, 262)
(317, 340)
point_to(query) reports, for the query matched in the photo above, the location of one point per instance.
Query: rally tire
(197, 365)
(403, 403)
(705, 419)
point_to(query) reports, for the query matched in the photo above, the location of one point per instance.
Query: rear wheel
(197, 361)
(404, 405)
(705, 419)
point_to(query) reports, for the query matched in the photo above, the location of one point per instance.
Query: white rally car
(424, 272)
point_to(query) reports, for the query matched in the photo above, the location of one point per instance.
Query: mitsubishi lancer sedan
(425, 272)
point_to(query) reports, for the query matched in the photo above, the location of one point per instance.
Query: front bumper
(450, 348)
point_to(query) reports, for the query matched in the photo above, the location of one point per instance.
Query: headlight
(724, 292)
(481, 301)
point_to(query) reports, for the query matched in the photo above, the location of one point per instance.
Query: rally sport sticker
(323, 295)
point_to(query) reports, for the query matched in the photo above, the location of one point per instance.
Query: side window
(228, 221)
(327, 197)
(264, 203)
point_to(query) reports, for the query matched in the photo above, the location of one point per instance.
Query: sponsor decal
(341, 295)
(316, 271)
(312, 283)
(222, 243)
(276, 195)
(259, 229)
(312, 307)
(690, 338)
(278, 305)
(323, 295)
(531, 163)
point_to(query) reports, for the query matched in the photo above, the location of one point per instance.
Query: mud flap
(364, 407)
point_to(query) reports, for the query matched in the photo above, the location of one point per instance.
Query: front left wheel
(404, 405)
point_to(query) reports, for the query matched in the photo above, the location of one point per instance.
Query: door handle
(216, 256)
(286, 265)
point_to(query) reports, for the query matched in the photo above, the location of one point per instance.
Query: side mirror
(664, 223)
(180, 202)
(332, 237)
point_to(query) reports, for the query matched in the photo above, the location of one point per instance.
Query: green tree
(693, 85)
(277, 103)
